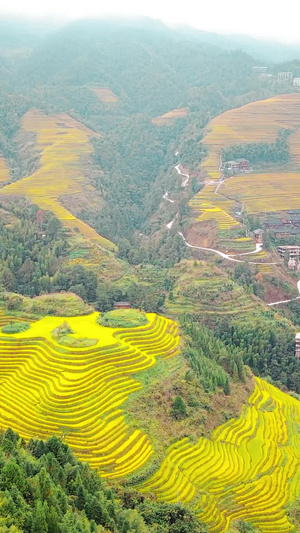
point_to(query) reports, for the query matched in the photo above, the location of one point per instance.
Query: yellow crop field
(4, 172)
(78, 393)
(169, 118)
(61, 145)
(105, 95)
(209, 205)
(275, 191)
(256, 122)
(248, 470)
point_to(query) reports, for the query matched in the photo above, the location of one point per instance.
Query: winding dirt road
(186, 176)
(226, 256)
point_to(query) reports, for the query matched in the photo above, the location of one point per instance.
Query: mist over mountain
(149, 279)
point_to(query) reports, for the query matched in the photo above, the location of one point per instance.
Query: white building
(284, 77)
(296, 82)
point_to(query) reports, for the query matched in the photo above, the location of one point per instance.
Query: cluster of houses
(280, 77)
(286, 225)
(292, 252)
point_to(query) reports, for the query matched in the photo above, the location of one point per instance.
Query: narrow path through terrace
(169, 226)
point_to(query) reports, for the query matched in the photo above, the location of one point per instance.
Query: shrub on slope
(123, 318)
(15, 327)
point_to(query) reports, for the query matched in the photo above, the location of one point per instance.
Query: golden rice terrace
(273, 191)
(47, 388)
(248, 470)
(62, 142)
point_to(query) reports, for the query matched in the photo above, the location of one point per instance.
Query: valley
(149, 285)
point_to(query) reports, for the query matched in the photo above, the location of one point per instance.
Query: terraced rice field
(105, 95)
(208, 205)
(78, 393)
(264, 269)
(248, 470)
(211, 296)
(169, 118)
(205, 289)
(275, 191)
(61, 142)
(256, 122)
(238, 245)
(4, 172)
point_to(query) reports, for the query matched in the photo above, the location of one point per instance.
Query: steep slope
(62, 143)
(78, 393)
(4, 172)
(249, 469)
(257, 122)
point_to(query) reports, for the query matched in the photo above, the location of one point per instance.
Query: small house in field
(239, 165)
(259, 236)
(122, 305)
(243, 164)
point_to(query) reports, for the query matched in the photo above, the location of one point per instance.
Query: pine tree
(178, 408)
(39, 522)
(80, 499)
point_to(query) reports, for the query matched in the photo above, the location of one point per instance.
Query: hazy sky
(260, 18)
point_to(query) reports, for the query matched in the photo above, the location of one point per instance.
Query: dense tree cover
(165, 250)
(260, 153)
(131, 156)
(149, 297)
(44, 489)
(32, 252)
(247, 277)
(209, 358)
(268, 347)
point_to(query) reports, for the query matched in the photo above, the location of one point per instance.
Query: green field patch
(64, 335)
(15, 327)
(123, 318)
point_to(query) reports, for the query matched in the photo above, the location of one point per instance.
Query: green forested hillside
(44, 489)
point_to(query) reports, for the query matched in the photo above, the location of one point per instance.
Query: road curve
(225, 256)
(186, 176)
(287, 301)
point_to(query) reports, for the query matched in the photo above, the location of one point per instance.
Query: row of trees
(261, 153)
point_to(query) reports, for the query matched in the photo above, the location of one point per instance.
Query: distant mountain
(18, 32)
(263, 50)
